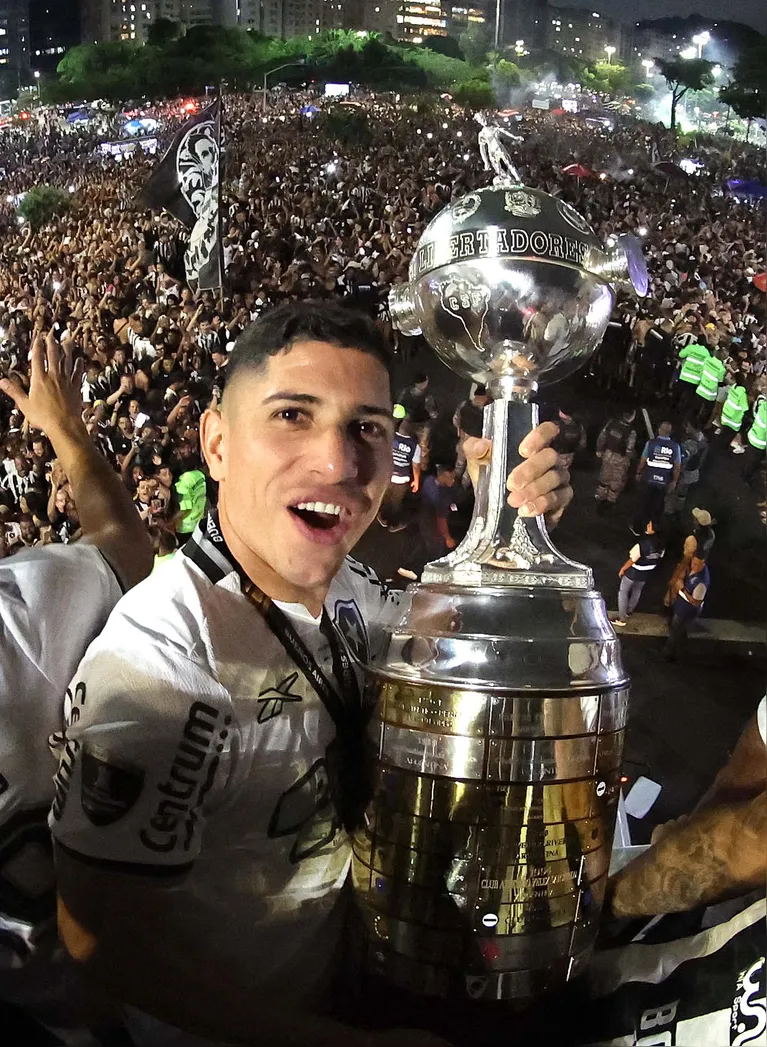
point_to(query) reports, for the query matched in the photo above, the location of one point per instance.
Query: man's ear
(213, 441)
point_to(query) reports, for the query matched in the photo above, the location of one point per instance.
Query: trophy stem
(502, 547)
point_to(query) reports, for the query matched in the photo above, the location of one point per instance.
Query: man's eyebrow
(308, 398)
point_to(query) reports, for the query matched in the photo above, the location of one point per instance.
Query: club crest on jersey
(271, 701)
(108, 790)
(348, 619)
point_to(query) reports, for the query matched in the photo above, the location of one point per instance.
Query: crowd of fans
(312, 215)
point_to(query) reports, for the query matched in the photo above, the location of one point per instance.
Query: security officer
(757, 438)
(659, 469)
(733, 412)
(694, 357)
(688, 605)
(406, 471)
(711, 377)
(644, 557)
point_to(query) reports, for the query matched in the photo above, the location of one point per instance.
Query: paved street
(685, 717)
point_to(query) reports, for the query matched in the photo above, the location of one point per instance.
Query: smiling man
(213, 759)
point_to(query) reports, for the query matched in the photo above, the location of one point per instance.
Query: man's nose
(333, 455)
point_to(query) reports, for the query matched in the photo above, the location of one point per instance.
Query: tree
(506, 73)
(444, 45)
(748, 104)
(644, 92)
(683, 75)
(42, 204)
(475, 94)
(475, 43)
(162, 31)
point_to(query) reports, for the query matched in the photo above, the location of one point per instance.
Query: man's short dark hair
(278, 329)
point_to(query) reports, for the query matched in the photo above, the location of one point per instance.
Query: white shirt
(53, 601)
(196, 748)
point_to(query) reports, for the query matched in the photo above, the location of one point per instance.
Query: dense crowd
(310, 215)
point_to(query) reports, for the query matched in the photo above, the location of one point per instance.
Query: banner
(186, 183)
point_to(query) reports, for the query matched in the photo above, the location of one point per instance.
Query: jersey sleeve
(677, 454)
(145, 754)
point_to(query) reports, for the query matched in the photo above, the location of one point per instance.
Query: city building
(522, 23)
(15, 71)
(588, 35)
(417, 19)
(54, 27)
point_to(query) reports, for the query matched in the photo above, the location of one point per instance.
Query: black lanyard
(344, 705)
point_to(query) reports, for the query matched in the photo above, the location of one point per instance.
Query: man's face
(28, 531)
(146, 489)
(312, 429)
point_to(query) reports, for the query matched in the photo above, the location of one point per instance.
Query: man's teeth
(320, 507)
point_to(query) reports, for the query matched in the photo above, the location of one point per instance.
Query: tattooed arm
(716, 852)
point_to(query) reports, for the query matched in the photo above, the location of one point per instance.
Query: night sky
(752, 12)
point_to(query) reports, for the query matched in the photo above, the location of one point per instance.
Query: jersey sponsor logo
(188, 780)
(306, 811)
(271, 701)
(73, 704)
(347, 617)
(749, 1008)
(108, 789)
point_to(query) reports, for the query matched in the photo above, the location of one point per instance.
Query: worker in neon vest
(694, 357)
(733, 413)
(711, 377)
(757, 439)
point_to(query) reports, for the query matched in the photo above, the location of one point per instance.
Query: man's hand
(53, 402)
(539, 485)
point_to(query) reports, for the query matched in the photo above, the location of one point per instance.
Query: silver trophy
(501, 704)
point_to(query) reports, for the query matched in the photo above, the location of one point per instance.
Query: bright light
(648, 65)
(642, 230)
(445, 127)
(331, 168)
(37, 74)
(459, 134)
(611, 241)
(430, 135)
(630, 171)
(9, 199)
(71, 188)
(688, 53)
(717, 70)
(610, 51)
(467, 156)
(56, 285)
(602, 177)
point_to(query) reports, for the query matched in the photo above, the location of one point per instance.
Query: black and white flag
(186, 183)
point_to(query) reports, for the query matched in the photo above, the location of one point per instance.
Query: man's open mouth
(320, 516)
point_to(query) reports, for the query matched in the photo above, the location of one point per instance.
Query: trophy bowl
(510, 281)
(501, 702)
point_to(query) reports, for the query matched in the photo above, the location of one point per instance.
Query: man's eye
(289, 414)
(371, 430)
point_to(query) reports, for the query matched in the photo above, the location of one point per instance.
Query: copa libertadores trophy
(501, 704)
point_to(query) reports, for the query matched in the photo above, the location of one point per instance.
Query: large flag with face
(186, 183)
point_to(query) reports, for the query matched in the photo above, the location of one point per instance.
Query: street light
(610, 52)
(648, 65)
(689, 53)
(717, 71)
(700, 41)
(37, 80)
(268, 73)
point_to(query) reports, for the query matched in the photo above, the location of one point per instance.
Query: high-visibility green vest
(694, 357)
(735, 406)
(757, 434)
(192, 494)
(712, 374)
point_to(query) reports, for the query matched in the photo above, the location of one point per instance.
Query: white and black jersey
(53, 602)
(197, 752)
(16, 485)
